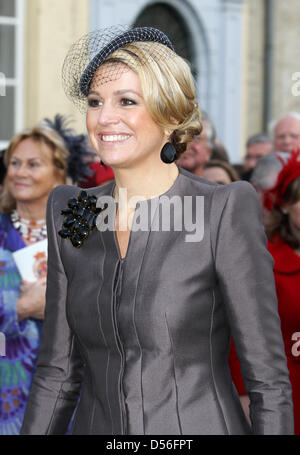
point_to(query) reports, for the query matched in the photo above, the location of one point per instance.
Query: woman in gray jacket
(150, 275)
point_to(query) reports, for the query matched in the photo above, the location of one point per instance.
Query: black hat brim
(137, 34)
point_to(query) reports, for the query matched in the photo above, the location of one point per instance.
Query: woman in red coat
(283, 231)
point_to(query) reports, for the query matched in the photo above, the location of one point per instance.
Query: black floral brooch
(81, 216)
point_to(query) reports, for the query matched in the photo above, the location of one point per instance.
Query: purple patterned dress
(19, 341)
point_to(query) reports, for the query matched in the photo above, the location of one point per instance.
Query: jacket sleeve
(245, 273)
(235, 370)
(56, 383)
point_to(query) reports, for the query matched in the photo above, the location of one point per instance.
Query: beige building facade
(50, 27)
(284, 62)
(286, 56)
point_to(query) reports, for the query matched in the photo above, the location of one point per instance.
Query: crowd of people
(49, 154)
(272, 165)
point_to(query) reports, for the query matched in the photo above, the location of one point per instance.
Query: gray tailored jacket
(142, 342)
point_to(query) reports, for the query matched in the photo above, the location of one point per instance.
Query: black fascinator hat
(139, 34)
(93, 49)
(80, 154)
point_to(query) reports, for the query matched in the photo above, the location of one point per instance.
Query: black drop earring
(168, 153)
(102, 164)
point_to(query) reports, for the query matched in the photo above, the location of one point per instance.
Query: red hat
(102, 174)
(289, 172)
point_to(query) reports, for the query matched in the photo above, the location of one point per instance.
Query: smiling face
(120, 127)
(31, 174)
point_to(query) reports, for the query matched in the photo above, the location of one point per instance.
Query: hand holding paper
(32, 264)
(32, 261)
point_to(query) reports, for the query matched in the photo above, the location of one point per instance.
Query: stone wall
(50, 29)
(285, 62)
(254, 68)
(286, 56)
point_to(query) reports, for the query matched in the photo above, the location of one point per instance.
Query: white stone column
(230, 78)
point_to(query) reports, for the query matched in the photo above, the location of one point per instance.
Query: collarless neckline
(144, 200)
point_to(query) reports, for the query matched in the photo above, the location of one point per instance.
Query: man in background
(200, 149)
(285, 132)
(257, 146)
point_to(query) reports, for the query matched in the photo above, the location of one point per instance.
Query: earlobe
(168, 134)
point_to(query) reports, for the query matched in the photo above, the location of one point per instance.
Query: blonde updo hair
(168, 89)
(40, 134)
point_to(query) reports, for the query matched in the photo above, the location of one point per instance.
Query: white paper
(32, 261)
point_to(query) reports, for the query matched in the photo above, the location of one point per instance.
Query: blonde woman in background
(37, 160)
